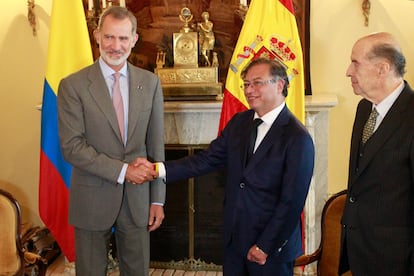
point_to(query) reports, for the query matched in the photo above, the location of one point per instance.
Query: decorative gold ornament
(31, 16)
(366, 7)
(206, 37)
(185, 16)
(188, 79)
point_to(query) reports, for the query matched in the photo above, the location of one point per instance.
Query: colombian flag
(69, 50)
(269, 30)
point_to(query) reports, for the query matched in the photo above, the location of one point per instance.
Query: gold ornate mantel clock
(186, 80)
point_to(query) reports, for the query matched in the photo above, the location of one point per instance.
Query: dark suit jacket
(91, 141)
(378, 220)
(263, 201)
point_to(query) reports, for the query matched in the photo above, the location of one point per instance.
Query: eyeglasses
(257, 83)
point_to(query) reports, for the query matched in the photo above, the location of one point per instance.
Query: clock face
(185, 45)
(186, 48)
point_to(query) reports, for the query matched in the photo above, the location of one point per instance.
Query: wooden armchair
(327, 255)
(13, 258)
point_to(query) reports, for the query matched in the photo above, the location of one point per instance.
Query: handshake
(141, 170)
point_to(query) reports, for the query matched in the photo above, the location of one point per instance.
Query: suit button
(242, 185)
(352, 199)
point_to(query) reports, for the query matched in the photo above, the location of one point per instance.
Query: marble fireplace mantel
(196, 123)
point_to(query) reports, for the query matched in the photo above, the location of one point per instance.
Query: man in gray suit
(378, 220)
(106, 154)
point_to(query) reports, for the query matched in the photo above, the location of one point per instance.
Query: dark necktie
(252, 138)
(369, 126)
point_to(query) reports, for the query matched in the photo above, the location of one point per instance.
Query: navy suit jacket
(263, 200)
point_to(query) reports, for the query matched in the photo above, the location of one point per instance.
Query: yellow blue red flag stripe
(69, 50)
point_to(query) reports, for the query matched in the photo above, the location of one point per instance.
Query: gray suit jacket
(91, 141)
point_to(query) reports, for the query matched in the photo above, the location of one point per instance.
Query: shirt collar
(386, 103)
(108, 71)
(271, 116)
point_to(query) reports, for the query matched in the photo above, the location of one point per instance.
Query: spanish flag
(269, 30)
(69, 50)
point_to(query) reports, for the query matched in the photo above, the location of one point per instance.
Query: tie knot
(257, 122)
(374, 113)
(116, 76)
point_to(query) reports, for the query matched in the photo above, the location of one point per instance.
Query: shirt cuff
(161, 171)
(121, 177)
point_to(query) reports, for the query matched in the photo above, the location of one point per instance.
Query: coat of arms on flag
(281, 49)
(269, 30)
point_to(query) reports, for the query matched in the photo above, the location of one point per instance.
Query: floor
(60, 268)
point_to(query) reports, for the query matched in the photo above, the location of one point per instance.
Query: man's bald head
(384, 45)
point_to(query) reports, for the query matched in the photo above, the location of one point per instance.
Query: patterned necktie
(252, 138)
(369, 125)
(118, 104)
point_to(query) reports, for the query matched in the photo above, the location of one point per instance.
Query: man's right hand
(140, 170)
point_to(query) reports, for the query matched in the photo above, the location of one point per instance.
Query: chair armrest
(308, 259)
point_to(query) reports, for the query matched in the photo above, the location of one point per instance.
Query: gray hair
(118, 13)
(392, 54)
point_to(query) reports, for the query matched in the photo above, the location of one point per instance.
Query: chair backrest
(331, 234)
(11, 255)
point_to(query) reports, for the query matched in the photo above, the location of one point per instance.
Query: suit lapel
(386, 129)
(137, 87)
(245, 137)
(99, 92)
(362, 114)
(272, 137)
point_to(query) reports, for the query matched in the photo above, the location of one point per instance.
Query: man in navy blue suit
(265, 195)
